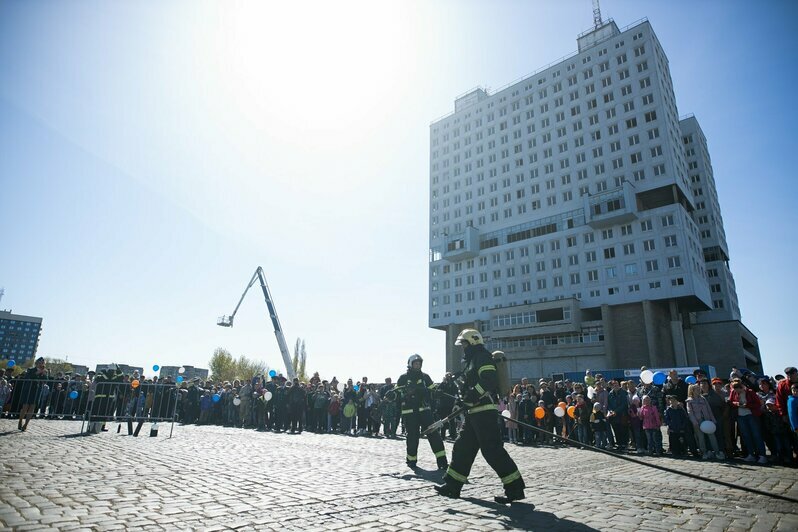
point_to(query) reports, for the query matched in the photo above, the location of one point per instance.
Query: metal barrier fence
(92, 403)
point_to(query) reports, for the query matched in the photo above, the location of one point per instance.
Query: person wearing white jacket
(698, 410)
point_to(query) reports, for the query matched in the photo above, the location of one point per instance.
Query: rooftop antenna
(2, 291)
(596, 14)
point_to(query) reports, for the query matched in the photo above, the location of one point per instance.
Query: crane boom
(227, 321)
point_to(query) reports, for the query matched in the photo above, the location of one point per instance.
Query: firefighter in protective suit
(415, 388)
(481, 429)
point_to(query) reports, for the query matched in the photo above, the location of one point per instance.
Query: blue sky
(152, 154)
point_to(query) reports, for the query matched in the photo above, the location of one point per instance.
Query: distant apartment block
(574, 219)
(19, 336)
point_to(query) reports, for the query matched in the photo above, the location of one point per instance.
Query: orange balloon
(572, 411)
(540, 412)
(562, 405)
(135, 383)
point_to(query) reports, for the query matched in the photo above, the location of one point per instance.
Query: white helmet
(470, 337)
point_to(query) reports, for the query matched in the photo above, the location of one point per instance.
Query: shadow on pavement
(76, 435)
(522, 515)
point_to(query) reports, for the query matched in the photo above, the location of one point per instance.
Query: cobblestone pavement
(217, 478)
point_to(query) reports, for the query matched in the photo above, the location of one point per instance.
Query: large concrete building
(574, 219)
(19, 336)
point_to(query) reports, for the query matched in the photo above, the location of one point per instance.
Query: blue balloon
(356, 387)
(216, 397)
(659, 378)
(179, 379)
(690, 380)
(156, 367)
(73, 394)
(11, 364)
(272, 374)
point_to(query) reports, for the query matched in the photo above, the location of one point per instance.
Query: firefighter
(481, 428)
(415, 389)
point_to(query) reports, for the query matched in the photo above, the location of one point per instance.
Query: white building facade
(563, 218)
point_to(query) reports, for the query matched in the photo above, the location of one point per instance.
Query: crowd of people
(748, 416)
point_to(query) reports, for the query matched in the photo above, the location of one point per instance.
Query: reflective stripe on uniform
(410, 411)
(511, 477)
(480, 389)
(482, 408)
(457, 476)
(414, 458)
(486, 367)
(440, 454)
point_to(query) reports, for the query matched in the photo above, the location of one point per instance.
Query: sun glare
(312, 66)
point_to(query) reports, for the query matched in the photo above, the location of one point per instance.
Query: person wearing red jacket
(783, 390)
(748, 406)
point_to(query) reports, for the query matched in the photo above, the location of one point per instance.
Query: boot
(443, 463)
(412, 464)
(448, 490)
(510, 496)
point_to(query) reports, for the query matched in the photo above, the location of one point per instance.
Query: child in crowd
(636, 425)
(582, 418)
(749, 409)
(651, 425)
(206, 403)
(792, 407)
(389, 418)
(676, 418)
(779, 430)
(599, 424)
(699, 410)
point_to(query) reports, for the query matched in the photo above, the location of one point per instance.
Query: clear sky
(152, 154)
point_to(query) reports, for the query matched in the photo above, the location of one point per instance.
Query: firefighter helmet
(412, 359)
(470, 337)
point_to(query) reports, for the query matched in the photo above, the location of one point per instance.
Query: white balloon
(507, 414)
(237, 401)
(559, 412)
(647, 376)
(707, 427)
(268, 395)
(181, 370)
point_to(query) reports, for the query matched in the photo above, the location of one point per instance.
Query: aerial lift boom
(227, 321)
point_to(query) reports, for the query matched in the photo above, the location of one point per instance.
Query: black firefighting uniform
(481, 429)
(414, 389)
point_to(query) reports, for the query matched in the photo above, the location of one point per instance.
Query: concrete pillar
(689, 342)
(609, 338)
(677, 335)
(654, 356)
(452, 354)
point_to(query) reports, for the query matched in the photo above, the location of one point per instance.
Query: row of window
(574, 279)
(529, 317)
(560, 339)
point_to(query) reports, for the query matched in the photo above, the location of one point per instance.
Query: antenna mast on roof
(596, 14)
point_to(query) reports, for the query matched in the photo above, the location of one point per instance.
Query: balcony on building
(612, 207)
(461, 246)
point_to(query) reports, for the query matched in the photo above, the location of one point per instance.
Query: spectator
(748, 409)
(699, 410)
(649, 414)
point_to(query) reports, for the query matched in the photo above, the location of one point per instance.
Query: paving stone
(215, 478)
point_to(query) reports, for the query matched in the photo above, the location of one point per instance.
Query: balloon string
(654, 466)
